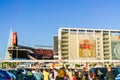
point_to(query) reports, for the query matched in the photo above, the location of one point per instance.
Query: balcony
(63, 52)
(106, 37)
(106, 53)
(65, 32)
(65, 57)
(106, 40)
(64, 40)
(64, 44)
(64, 35)
(106, 50)
(104, 44)
(64, 47)
(106, 56)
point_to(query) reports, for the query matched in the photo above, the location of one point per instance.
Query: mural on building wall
(86, 48)
(115, 46)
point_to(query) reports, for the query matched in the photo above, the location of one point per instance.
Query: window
(98, 45)
(98, 38)
(98, 54)
(98, 42)
(98, 49)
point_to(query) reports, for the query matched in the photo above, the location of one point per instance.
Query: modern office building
(88, 44)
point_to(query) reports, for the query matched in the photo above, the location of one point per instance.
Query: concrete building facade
(88, 44)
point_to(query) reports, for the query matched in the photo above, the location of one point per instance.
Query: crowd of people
(63, 74)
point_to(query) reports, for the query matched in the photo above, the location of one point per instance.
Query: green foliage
(105, 65)
(77, 65)
(112, 64)
(67, 65)
(93, 64)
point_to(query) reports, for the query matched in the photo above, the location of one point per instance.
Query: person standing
(19, 76)
(110, 75)
(46, 74)
(84, 74)
(61, 74)
(70, 73)
(100, 77)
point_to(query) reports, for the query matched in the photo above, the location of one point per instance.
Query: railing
(60, 61)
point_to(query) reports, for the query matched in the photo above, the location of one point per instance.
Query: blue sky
(37, 21)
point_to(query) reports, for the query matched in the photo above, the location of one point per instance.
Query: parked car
(116, 70)
(117, 77)
(117, 73)
(5, 75)
(13, 71)
(22, 70)
(13, 76)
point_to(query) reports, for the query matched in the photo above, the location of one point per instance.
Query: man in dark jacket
(84, 74)
(19, 76)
